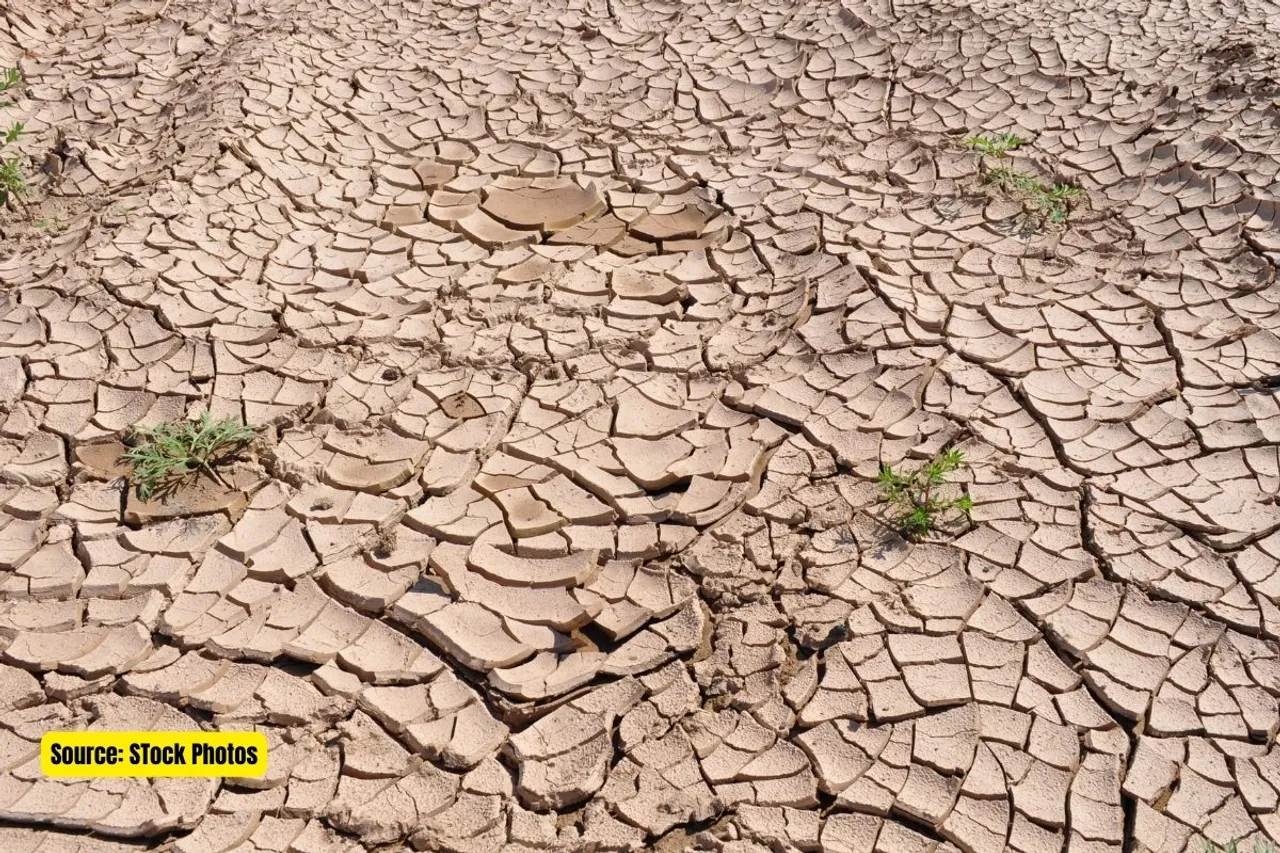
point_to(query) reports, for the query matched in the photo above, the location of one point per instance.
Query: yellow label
(97, 754)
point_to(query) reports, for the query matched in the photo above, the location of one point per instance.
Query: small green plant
(913, 497)
(1049, 203)
(164, 455)
(993, 146)
(1234, 847)
(12, 183)
(1010, 179)
(1054, 201)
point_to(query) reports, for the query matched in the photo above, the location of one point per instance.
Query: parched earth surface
(576, 335)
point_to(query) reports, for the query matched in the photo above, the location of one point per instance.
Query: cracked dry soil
(577, 333)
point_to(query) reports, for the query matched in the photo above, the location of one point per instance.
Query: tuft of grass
(993, 146)
(1048, 203)
(1234, 847)
(1054, 201)
(166, 454)
(1010, 179)
(12, 182)
(913, 496)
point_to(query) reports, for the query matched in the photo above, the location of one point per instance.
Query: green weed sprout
(1234, 847)
(163, 455)
(1048, 203)
(1054, 201)
(12, 183)
(913, 497)
(993, 146)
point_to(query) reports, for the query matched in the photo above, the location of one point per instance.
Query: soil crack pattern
(575, 337)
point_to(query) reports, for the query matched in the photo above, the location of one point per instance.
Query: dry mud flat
(577, 334)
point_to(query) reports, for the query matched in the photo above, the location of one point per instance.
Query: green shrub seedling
(164, 455)
(913, 497)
